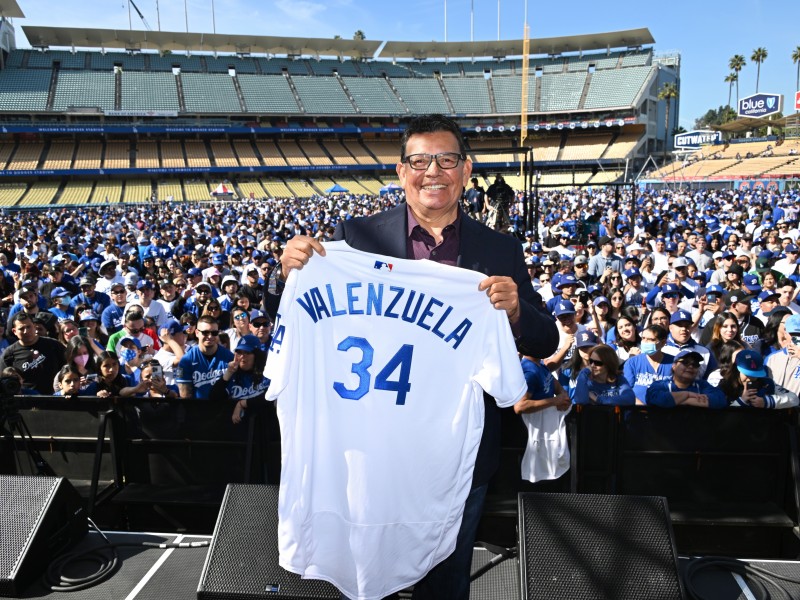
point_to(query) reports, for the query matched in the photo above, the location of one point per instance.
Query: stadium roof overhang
(502, 48)
(10, 8)
(132, 39)
(748, 123)
(208, 42)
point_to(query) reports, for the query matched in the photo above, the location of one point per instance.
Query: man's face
(786, 295)
(681, 331)
(28, 299)
(25, 331)
(434, 191)
(207, 337)
(135, 327)
(88, 290)
(119, 295)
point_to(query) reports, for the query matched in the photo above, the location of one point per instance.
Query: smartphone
(158, 371)
(91, 377)
(83, 331)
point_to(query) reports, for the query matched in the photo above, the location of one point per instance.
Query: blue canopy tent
(336, 188)
(390, 189)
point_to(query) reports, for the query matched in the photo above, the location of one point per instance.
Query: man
(170, 299)
(680, 338)
(501, 196)
(145, 296)
(112, 316)
(699, 255)
(567, 285)
(605, 261)
(253, 287)
(97, 301)
(133, 326)
(107, 276)
(476, 199)
(433, 171)
(204, 363)
(173, 342)
(261, 327)
(37, 358)
(568, 329)
(686, 386)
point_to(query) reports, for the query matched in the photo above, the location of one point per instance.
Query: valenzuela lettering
(391, 302)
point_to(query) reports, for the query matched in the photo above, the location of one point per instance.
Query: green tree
(759, 56)
(796, 59)
(730, 80)
(736, 64)
(359, 35)
(715, 117)
(668, 92)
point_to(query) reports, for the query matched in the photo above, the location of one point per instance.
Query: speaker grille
(581, 546)
(24, 502)
(242, 562)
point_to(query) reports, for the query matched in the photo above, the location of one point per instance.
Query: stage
(156, 574)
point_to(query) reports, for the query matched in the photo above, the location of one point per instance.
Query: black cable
(757, 577)
(105, 557)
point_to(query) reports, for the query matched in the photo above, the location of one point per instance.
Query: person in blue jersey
(543, 410)
(680, 338)
(747, 383)
(686, 387)
(113, 316)
(601, 382)
(652, 364)
(204, 363)
(243, 380)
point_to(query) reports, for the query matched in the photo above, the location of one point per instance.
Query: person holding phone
(243, 380)
(747, 383)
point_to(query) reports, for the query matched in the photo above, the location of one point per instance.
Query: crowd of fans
(668, 297)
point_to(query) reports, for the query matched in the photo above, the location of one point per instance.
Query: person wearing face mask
(651, 364)
(130, 359)
(78, 356)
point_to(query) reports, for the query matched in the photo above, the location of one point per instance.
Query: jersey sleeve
(501, 374)
(183, 372)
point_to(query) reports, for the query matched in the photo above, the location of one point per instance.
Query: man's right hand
(298, 251)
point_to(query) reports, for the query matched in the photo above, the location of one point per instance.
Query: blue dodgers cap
(59, 292)
(688, 353)
(680, 315)
(670, 288)
(634, 272)
(671, 247)
(585, 339)
(750, 363)
(536, 247)
(600, 300)
(767, 294)
(715, 289)
(248, 343)
(194, 271)
(791, 248)
(218, 259)
(728, 254)
(567, 279)
(173, 326)
(793, 324)
(129, 338)
(752, 283)
(564, 307)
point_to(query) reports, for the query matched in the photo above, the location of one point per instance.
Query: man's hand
(503, 294)
(298, 251)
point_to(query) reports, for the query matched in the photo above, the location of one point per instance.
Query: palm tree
(668, 92)
(736, 64)
(730, 79)
(796, 59)
(758, 57)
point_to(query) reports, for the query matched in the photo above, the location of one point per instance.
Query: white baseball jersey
(379, 366)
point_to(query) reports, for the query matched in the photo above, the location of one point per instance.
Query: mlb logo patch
(382, 265)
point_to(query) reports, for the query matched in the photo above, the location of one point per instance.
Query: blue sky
(705, 32)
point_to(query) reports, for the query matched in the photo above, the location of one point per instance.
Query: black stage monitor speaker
(242, 562)
(590, 546)
(40, 517)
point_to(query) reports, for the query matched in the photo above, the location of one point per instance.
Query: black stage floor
(158, 574)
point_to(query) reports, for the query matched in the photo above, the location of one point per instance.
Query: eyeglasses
(445, 160)
(596, 363)
(136, 331)
(258, 324)
(208, 332)
(796, 340)
(118, 291)
(689, 364)
(240, 317)
(213, 308)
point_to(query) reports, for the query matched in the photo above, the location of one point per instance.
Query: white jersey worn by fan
(379, 367)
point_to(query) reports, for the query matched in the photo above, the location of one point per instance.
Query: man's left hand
(503, 294)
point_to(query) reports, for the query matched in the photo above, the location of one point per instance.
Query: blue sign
(760, 105)
(695, 139)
